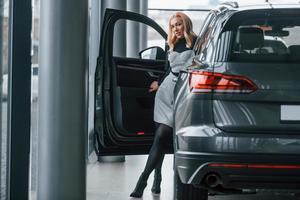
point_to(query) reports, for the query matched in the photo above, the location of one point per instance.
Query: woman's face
(177, 27)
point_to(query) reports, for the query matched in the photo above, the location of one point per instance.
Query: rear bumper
(197, 147)
(210, 139)
(194, 167)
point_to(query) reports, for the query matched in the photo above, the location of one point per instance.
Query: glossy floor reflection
(115, 181)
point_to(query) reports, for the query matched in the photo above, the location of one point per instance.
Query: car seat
(249, 39)
(294, 53)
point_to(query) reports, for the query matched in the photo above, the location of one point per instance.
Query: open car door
(123, 105)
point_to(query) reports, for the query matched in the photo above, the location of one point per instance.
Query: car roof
(235, 6)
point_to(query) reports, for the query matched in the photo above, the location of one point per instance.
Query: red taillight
(205, 82)
(140, 133)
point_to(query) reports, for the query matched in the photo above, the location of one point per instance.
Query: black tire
(187, 191)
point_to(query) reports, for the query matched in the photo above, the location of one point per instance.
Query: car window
(153, 39)
(204, 39)
(266, 37)
(223, 46)
(206, 43)
(204, 33)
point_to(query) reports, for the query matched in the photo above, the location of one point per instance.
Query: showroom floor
(116, 180)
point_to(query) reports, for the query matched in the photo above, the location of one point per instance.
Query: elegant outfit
(179, 58)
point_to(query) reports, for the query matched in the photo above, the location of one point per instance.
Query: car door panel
(133, 81)
(137, 72)
(123, 105)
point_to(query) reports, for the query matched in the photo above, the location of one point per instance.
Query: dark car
(237, 108)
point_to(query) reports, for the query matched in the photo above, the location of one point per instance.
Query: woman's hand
(153, 87)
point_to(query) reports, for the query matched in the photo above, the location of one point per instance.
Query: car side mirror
(153, 53)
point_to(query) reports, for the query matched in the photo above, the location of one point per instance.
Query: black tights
(163, 135)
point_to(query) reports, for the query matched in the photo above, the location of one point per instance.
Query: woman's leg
(157, 177)
(157, 172)
(157, 151)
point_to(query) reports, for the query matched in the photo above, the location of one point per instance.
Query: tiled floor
(115, 181)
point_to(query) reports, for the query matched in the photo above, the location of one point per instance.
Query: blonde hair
(189, 34)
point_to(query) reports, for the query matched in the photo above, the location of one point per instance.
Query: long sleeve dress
(179, 58)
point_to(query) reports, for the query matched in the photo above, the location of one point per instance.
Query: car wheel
(187, 191)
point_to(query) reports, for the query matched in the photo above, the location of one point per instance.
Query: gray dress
(163, 107)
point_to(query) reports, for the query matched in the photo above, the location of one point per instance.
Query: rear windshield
(265, 36)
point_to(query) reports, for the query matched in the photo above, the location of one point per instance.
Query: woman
(181, 39)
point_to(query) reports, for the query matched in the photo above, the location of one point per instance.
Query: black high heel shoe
(156, 183)
(140, 186)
